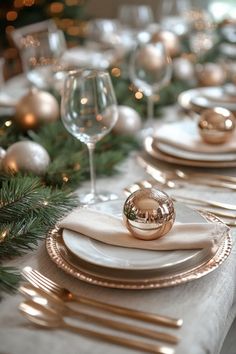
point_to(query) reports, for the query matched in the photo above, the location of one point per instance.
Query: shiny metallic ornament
(129, 121)
(183, 69)
(150, 57)
(216, 125)
(26, 156)
(210, 74)
(170, 40)
(148, 213)
(36, 108)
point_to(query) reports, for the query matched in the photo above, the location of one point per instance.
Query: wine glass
(150, 70)
(135, 21)
(89, 111)
(172, 16)
(41, 54)
(136, 17)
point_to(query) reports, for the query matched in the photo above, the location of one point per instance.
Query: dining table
(207, 305)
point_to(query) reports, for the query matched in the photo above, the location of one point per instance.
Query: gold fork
(61, 308)
(40, 281)
(44, 317)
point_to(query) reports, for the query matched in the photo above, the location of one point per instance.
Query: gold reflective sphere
(210, 74)
(148, 213)
(170, 40)
(36, 108)
(216, 125)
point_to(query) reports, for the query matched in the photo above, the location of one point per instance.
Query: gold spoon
(42, 298)
(46, 317)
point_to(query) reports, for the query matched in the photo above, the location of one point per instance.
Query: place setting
(207, 141)
(201, 98)
(129, 254)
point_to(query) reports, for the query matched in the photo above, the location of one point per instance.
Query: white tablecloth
(207, 305)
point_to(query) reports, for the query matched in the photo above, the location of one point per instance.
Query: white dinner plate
(11, 92)
(197, 156)
(104, 255)
(201, 98)
(89, 57)
(182, 139)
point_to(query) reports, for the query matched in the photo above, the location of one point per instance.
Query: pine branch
(9, 279)
(25, 195)
(28, 210)
(18, 237)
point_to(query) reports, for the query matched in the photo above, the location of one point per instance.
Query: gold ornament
(26, 156)
(148, 213)
(36, 108)
(216, 125)
(210, 74)
(170, 40)
(150, 58)
(129, 121)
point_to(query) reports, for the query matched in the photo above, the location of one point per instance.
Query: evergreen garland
(31, 205)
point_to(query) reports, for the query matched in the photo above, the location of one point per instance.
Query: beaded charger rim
(81, 270)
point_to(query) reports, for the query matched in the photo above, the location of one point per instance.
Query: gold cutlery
(211, 203)
(56, 304)
(40, 281)
(171, 179)
(149, 184)
(44, 317)
(204, 175)
(206, 202)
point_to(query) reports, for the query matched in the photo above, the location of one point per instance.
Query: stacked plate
(117, 267)
(180, 143)
(201, 98)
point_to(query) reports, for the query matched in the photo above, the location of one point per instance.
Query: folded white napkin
(184, 135)
(111, 230)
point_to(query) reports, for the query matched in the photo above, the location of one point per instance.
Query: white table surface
(207, 305)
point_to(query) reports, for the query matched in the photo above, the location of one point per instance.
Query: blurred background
(73, 16)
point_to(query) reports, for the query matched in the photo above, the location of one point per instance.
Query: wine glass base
(90, 198)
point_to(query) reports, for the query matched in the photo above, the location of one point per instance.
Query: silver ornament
(128, 122)
(2, 155)
(148, 213)
(26, 156)
(183, 69)
(216, 125)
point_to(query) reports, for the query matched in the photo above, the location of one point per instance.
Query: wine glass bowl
(41, 53)
(150, 70)
(89, 112)
(136, 17)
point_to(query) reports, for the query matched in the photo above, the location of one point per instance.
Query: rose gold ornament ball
(36, 108)
(216, 125)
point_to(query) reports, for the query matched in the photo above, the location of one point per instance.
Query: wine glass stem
(91, 147)
(150, 110)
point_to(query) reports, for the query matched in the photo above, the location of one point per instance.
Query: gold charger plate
(153, 151)
(131, 280)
